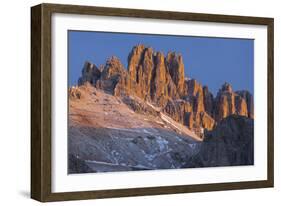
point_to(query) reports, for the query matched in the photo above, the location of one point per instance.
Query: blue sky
(211, 61)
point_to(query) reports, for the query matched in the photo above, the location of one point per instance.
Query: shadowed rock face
(128, 149)
(90, 73)
(77, 165)
(230, 143)
(161, 80)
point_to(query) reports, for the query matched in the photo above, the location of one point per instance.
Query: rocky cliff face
(161, 80)
(229, 102)
(90, 73)
(149, 77)
(208, 100)
(230, 143)
(175, 66)
(247, 96)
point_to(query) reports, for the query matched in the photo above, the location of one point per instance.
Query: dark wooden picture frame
(41, 117)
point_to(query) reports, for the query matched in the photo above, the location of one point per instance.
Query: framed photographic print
(130, 102)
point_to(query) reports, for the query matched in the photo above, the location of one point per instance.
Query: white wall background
(15, 102)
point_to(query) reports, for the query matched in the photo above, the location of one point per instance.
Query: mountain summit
(161, 81)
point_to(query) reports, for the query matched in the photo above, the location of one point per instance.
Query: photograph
(152, 102)
(134, 102)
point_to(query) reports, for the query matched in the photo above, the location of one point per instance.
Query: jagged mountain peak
(226, 87)
(161, 79)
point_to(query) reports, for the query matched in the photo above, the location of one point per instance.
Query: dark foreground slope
(230, 143)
